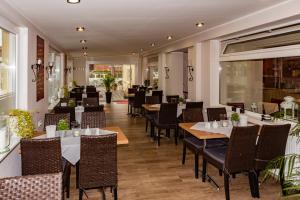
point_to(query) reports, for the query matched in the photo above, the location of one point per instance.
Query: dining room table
(70, 140)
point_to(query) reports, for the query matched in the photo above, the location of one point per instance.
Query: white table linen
(200, 126)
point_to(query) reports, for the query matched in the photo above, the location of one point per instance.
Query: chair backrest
(91, 101)
(135, 86)
(139, 99)
(214, 113)
(142, 88)
(78, 89)
(98, 161)
(198, 104)
(93, 120)
(66, 109)
(99, 108)
(132, 90)
(168, 113)
(53, 118)
(76, 95)
(172, 98)
(241, 149)
(271, 144)
(33, 187)
(41, 156)
(92, 94)
(192, 115)
(237, 105)
(90, 89)
(158, 93)
(152, 100)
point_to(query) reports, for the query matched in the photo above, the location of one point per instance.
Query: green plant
(235, 117)
(75, 84)
(108, 81)
(181, 99)
(62, 125)
(24, 124)
(66, 91)
(71, 103)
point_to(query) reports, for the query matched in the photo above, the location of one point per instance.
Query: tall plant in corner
(288, 169)
(108, 81)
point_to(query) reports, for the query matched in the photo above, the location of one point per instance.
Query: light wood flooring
(148, 172)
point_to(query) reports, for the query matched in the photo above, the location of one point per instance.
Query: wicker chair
(98, 163)
(76, 95)
(32, 187)
(99, 108)
(43, 156)
(172, 98)
(53, 119)
(92, 101)
(66, 109)
(93, 120)
(198, 104)
(237, 157)
(149, 116)
(130, 99)
(166, 119)
(90, 89)
(92, 95)
(271, 144)
(138, 101)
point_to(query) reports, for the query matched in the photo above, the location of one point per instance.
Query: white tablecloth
(70, 144)
(200, 126)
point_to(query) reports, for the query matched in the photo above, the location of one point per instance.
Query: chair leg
(158, 136)
(176, 135)
(253, 183)
(151, 129)
(115, 193)
(168, 132)
(80, 194)
(220, 172)
(196, 167)
(77, 174)
(226, 185)
(68, 182)
(204, 165)
(234, 175)
(146, 125)
(183, 153)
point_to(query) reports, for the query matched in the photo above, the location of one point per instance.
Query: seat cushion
(193, 143)
(150, 116)
(212, 143)
(215, 156)
(164, 126)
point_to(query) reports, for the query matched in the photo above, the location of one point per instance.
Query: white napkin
(50, 130)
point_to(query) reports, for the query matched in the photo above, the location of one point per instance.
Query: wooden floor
(147, 172)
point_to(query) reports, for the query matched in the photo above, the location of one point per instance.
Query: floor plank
(149, 173)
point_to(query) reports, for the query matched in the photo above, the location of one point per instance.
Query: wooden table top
(151, 108)
(200, 134)
(121, 137)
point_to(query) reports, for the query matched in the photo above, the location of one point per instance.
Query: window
(7, 63)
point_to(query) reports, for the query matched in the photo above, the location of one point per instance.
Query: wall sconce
(68, 69)
(36, 69)
(167, 70)
(49, 70)
(191, 69)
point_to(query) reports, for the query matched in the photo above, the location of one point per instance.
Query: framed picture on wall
(40, 53)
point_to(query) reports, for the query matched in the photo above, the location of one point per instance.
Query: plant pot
(235, 123)
(108, 97)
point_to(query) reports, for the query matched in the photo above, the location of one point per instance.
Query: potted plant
(108, 81)
(181, 100)
(62, 125)
(20, 123)
(235, 118)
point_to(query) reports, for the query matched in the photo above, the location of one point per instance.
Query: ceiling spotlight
(80, 29)
(73, 1)
(152, 44)
(82, 41)
(169, 37)
(133, 53)
(84, 48)
(141, 49)
(200, 24)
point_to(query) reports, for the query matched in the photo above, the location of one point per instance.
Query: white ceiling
(125, 26)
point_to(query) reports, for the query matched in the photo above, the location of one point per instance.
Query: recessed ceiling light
(84, 48)
(80, 29)
(200, 24)
(169, 37)
(73, 1)
(152, 44)
(82, 41)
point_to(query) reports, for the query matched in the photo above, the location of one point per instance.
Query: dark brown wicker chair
(271, 144)
(90, 89)
(92, 101)
(32, 187)
(130, 99)
(76, 95)
(149, 116)
(98, 163)
(93, 120)
(43, 156)
(135, 86)
(99, 108)
(214, 113)
(196, 104)
(158, 93)
(137, 103)
(92, 95)
(166, 119)
(53, 118)
(66, 109)
(237, 157)
(172, 98)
